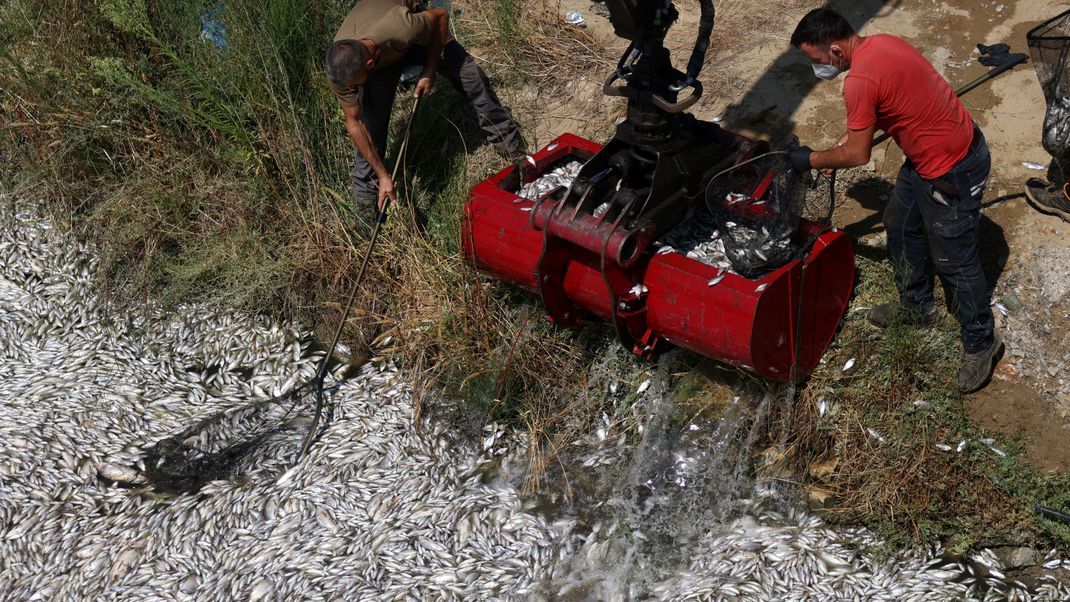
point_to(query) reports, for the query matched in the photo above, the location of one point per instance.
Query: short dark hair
(345, 60)
(820, 27)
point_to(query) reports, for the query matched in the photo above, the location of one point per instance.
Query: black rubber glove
(800, 158)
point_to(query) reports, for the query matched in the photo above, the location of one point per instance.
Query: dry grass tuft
(529, 39)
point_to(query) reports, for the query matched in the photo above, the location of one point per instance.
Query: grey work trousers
(467, 78)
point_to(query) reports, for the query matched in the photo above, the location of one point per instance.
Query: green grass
(891, 474)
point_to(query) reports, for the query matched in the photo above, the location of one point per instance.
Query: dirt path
(761, 87)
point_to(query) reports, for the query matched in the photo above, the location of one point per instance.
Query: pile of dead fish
(382, 508)
(558, 177)
(699, 239)
(798, 558)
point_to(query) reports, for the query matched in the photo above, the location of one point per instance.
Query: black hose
(702, 43)
(1052, 513)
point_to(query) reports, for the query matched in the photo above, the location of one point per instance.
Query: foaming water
(641, 510)
(678, 514)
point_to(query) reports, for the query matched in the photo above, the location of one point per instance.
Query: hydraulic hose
(702, 42)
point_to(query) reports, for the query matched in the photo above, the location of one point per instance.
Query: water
(644, 508)
(671, 509)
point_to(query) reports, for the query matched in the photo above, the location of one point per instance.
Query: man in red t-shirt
(935, 211)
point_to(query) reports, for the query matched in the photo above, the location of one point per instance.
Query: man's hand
(800, 158)
(386, 190)
(424, 85)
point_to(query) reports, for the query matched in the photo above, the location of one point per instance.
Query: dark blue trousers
(936, 222)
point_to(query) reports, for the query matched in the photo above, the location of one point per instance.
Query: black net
(757, 208)
(1049, 45)
(222, 445)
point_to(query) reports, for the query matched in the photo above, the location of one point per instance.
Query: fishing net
(280, 429)
(1049, 45)
(757, 206)
(221, 445)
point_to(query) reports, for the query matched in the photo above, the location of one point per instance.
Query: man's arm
(440, 34)
(852, 152)
(358, 132)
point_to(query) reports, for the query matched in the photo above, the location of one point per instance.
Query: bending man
(936, 207)
(377, 40)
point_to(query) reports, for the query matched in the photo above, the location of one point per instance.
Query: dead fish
(119, 473)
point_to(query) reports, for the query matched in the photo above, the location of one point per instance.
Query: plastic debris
(575, 18)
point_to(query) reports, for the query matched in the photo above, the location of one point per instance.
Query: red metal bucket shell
(754, 324)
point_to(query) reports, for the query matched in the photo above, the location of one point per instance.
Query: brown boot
(1047, 198)
(976, 368)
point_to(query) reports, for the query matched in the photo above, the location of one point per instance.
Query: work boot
(1048, 198)
(976, 369)
(512, 151)
(895, 313)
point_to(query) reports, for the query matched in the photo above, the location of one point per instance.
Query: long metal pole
(380, 219)
(1052, 513)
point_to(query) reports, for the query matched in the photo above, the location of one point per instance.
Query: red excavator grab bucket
(763, 325)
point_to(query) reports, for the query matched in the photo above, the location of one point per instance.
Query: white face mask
(826, 72)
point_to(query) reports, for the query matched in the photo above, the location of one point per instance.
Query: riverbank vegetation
(210, 163)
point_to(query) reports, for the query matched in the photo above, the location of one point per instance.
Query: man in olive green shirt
(377, 40)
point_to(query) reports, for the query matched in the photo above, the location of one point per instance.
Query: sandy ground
(761, 87)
